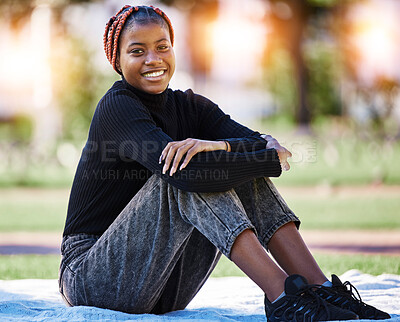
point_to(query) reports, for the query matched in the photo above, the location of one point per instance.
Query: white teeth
(154, 74)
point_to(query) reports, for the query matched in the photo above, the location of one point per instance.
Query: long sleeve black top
(128, 132)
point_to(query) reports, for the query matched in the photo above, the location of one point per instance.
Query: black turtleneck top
(129, 130)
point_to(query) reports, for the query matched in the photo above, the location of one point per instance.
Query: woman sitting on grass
(167, 182)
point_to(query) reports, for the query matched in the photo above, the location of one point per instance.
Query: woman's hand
(174, 152)
(283, 153)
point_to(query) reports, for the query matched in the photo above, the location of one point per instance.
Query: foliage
(18, 130)
(323, 64)
(18, 10)
(78, 85)
(323, 95)
(280, 82)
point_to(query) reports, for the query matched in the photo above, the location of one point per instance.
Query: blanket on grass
(221, 299)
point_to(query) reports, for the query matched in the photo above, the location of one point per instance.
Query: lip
(155, 78)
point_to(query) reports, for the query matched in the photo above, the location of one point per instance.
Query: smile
(154, 74)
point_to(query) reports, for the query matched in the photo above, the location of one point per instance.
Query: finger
(180, 152)
(273, 144)
(165, 151)
(285, 166)
(270, 145)
(168, 157)
(266, 137)
(189, 155)
(287, 152)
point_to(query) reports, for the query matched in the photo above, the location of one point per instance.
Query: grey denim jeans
(163, 246)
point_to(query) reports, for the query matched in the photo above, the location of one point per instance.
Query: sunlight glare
(238, 45)
(375, 38)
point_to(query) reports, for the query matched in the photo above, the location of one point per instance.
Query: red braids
(116, 24)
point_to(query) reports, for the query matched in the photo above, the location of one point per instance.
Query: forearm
(220, 171)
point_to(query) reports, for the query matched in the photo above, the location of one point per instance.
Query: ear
(118, 65)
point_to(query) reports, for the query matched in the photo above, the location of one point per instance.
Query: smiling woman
(146, 58)
(198, 188)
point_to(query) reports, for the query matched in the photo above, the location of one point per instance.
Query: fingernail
(163, 170)
(160, 159)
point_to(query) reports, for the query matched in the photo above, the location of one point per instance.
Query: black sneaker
(301, 303)
(343, 296)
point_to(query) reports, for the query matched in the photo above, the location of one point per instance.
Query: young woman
(167, 182)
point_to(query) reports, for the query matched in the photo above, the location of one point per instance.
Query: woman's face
(146, 57)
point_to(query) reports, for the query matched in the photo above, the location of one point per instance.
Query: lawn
(337, 212)
(28, 209)
(44, 209)
(46, 266)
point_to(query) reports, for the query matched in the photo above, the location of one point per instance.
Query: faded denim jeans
(163, 246)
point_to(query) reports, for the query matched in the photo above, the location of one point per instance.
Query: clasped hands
(174, 152)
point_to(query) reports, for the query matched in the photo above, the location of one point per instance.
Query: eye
(163, 47)
(137, 51)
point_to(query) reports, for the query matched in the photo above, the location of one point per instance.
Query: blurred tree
(303, 28)
(76, 81)
(17, 11)
(77, 85)
(200, 13)
(313, 84)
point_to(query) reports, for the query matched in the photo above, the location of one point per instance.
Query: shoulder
(119, 100)
(118, 91)
(189, 97)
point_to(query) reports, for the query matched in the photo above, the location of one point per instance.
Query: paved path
(385, 242)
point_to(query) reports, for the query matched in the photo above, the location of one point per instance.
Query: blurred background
(322, 76)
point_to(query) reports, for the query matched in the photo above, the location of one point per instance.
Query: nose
(152, 58)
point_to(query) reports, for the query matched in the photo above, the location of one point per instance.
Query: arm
(219, 125)
(214, 124)
(128, 127)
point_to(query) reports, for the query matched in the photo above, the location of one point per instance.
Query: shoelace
(349, 288)
(350, 291)
(308, 291)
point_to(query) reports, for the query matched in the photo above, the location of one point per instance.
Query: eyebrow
(143, 44)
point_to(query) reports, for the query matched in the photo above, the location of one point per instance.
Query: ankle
(279, 297)
(275, 291)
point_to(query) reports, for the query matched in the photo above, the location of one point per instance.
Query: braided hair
(125, 18)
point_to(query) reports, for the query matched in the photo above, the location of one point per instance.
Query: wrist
(225, 146)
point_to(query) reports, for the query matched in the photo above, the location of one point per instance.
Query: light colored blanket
(221, 299)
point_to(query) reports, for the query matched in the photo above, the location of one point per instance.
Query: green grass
(330, 264)
(32, 209)
(29, 266)
(45, 210)
(335, 212)
(46, 266)
(54, 176)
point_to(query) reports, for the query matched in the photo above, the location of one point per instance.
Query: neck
(151, 101)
